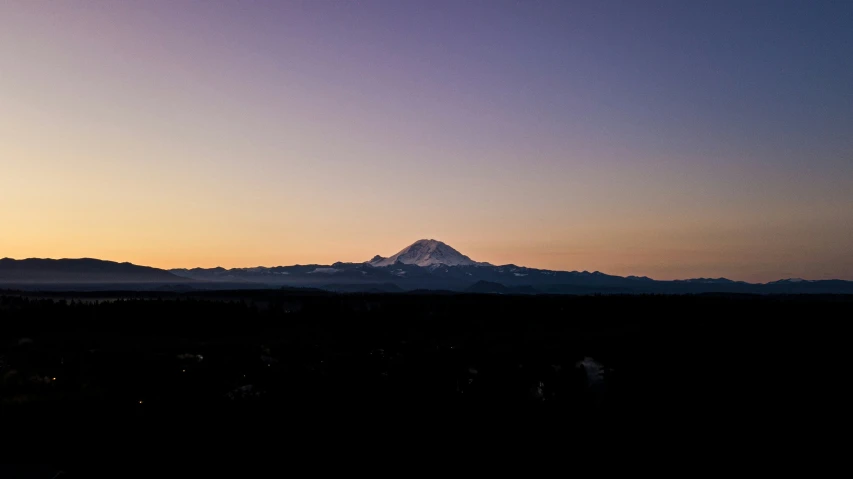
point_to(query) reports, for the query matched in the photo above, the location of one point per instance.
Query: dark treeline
(267, 360)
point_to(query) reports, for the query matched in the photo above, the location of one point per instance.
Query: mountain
(426, 265)
(425, 253)
(790, 281)
(86, 270)
(432, 265)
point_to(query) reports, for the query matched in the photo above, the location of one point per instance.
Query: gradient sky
(672, 139)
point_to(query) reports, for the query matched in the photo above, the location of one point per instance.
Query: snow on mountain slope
(790, 280)
(427, 252)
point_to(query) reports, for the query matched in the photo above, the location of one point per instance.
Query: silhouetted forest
(278, 362)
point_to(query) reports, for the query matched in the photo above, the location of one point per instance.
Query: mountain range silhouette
(426, 264)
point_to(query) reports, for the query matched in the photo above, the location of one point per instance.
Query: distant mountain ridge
(84, 270)
(429, 264)
(708, 280)
(424, 265)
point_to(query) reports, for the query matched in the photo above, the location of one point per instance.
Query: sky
(669, 139)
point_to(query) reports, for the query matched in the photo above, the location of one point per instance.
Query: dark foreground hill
(246, 371)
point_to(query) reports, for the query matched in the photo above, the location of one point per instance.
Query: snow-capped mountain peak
(427, 252)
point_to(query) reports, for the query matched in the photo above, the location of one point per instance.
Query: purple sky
(668, 139)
